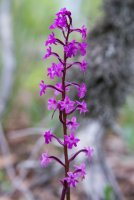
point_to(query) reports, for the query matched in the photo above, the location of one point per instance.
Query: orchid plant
(61, 101)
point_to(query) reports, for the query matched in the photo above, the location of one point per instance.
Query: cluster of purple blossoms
(64, 105)
(55, 70)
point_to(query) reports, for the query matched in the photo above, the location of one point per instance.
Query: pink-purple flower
(84, 32)
(82, 107)
(52, 103)
(83, 47)
(72, 124)
(61, 20)
(72, 179)
(71, 140)
(48, 135)
(71, 49)
(49, 53)
(81, 170)
(43, 88)
(89, 152)
(59, 86)
(45, 160)
(63, 11)
(82, 90)
(55, 70)
(83, 66)
(51, 39)
(66, 104)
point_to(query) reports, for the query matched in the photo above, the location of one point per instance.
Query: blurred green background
(31, 19)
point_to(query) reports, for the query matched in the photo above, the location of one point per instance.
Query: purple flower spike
(43, 88)
(71, 140)
(89, 152)
(62, 104)
(48, 135)
(82, 107)
(72, 179)
(81, 170)
(45, 160)
(51, 39)
(82, 90)
(72, 124)
(52, 104)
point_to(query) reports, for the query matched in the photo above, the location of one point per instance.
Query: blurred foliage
(0, 59)
(108, 193)
(127, 121)
(92, 10)
(34, 17)
(4, 182)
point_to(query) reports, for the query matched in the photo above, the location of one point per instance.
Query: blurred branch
(17, 134)
(8, 56)
(6, 152)
(25, 166)
(17, 183)
(39, 128)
